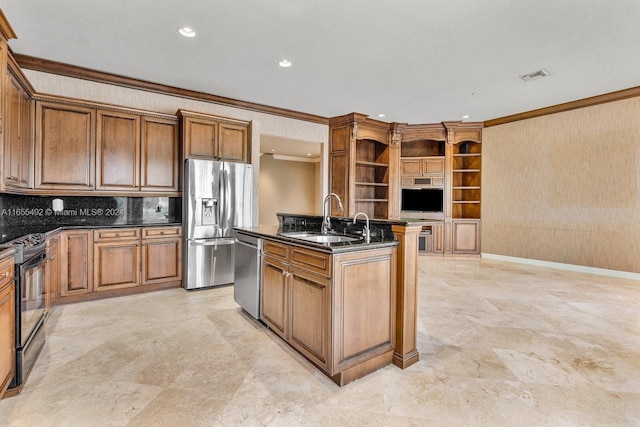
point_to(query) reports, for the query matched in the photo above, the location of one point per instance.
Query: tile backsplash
(77, 210)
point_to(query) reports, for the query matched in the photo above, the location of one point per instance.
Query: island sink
(321, 238)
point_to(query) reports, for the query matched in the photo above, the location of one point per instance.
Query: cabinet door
(161, 261)
(410, 167)
(159, 163)
(76, 273)
(363, 306)
(310, 315)
(116, 265)
(199, 138)
(64, 148)
(232, 142)
(12, 151)
(465, 236)
(18, 141)
(275, 296)
(117, 151)
(433, 167)
(7, 335)
(52, 274)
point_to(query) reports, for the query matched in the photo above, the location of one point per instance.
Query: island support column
(406, 351)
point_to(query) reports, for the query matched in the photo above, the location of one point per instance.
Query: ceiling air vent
(535, 75)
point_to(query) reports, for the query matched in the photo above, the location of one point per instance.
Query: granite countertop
(13, 232)
(275, 232)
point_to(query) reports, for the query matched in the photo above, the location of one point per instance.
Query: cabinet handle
(5, 274)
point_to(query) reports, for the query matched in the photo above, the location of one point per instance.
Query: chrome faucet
(365, 230)
(326, 222)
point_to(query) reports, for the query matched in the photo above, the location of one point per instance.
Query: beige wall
(286, 186)
(565, 187)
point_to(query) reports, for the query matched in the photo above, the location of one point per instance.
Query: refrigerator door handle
(211, 242)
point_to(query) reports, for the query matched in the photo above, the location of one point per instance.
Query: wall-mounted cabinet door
(233, 142)
(159, 155)
(64, 147)
(199, 138)
(18, 135)
(118, 151)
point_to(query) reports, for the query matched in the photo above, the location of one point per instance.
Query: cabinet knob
(5, 274)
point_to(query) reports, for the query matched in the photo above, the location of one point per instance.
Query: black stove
(27, 246)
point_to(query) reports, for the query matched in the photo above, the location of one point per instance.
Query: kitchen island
(336, 303)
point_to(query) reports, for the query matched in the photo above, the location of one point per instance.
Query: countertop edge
(319, 246)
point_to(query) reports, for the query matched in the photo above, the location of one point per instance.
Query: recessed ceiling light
(285, 63)
(381, 115)
(187, 32)
(273, 151)
(308, 154)
(466, 116)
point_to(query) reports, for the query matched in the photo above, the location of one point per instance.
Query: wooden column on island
(406, 352)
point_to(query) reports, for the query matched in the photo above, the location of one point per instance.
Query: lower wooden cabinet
(7, 324)
(114, 259)
(161, 260)
(336, 310)
(116, 265)
(130, 257)
(76, 267)
(465, 236)
(52, 273)
(310, 317)
(275, 296)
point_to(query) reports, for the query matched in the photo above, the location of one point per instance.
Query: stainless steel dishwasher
(248, 286)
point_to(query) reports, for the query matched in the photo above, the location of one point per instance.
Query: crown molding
(567, 106)
(67, 70)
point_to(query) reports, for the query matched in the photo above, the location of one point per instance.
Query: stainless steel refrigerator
(217, 196)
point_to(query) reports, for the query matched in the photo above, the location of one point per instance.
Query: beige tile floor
(500, 344)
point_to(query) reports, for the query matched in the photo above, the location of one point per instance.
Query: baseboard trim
(561, 266)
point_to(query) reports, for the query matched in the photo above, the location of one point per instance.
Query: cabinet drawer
(159, 232)
(116, 234)
(6, 270)
(275, 249)
(318, 262)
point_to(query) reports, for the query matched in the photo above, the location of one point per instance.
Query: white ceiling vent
(535, 75)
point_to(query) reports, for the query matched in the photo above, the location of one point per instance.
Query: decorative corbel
(396, 135)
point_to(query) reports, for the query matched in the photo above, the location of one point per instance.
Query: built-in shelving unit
(372, 178)
(361, 165)
(465, 186)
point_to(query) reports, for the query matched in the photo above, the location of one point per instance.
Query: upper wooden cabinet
(18, 136)
(82, 148)
(118, 151)
(136, 153)
(362, 164)
(159, 155)
(214, 138)
(64, 146)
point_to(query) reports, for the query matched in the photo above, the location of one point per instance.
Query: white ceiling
(418, 61)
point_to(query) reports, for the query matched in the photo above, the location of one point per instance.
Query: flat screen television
(422, 199)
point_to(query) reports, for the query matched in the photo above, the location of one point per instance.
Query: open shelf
(466, 176)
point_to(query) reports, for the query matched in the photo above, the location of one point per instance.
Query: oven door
(31, 296)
